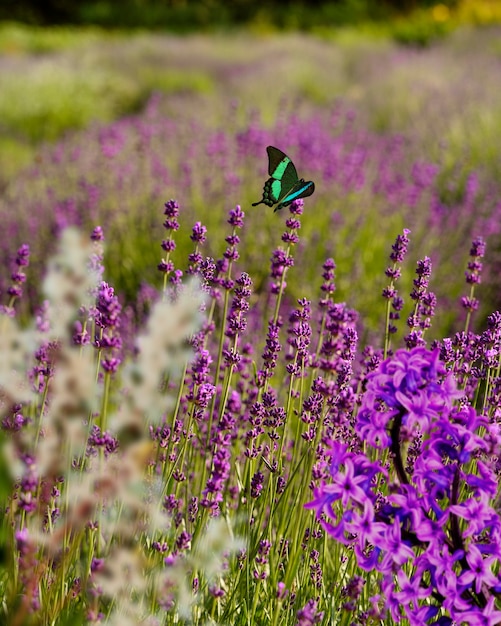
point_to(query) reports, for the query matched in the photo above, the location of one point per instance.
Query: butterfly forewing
(278, 162)
(289, 178)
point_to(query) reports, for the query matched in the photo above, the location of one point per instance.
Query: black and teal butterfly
(284, 186)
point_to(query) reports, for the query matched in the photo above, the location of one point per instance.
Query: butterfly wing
(271, 192)
(302, 189)
(278, 163)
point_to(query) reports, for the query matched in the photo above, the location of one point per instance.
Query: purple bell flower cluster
(415, 501)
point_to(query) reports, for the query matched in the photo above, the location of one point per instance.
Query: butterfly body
(284, 186)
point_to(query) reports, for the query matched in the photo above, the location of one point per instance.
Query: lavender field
(213, 413)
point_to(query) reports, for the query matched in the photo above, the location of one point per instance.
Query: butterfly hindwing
(302, 189)
(284, 185)
(270, 193)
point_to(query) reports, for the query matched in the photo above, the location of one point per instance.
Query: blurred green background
(424, 71)
(60, 67)
(190, 14)
(65, 64)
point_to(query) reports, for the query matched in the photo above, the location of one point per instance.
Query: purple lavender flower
(237, 322)
(168, 245)
(236, 218)
(473, 277)
(257, 484)
(309, 614)
(171, 225)
(108, 307)
(107, 320)
(353, 589)
(339, 338)
(14, 420)
(477, 252)
(299, 337)
(195, 258)
(96, 259)
(424, 309)
(97, 440)
(176, 278)
(221, 465)
(44, 369)
(328, 286)
(97, 234)
(27, 564)
(270, 353)
(399, 250)
(263, 552)
(280, 262)
(18, 278)
(198, 233)
(171, 212)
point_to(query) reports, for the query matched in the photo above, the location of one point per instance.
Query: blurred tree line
(191, 14)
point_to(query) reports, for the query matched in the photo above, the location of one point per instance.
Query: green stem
(173, 422)
(104, 406)
(219, 358)
(42, 409)
(468, 315)
(302, 497)
(281, 288)
(387, 319)
(166, 274)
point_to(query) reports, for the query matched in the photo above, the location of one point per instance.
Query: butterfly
(284, 186)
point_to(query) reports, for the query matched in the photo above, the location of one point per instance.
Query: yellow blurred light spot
(480, 11)
(440, 13)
